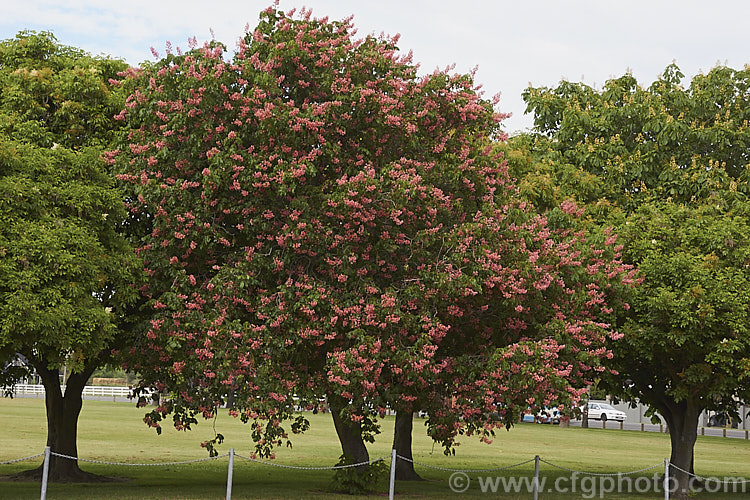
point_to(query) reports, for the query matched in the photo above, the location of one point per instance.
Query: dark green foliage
(357, 480)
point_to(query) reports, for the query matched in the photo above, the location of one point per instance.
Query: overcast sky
(513, 43)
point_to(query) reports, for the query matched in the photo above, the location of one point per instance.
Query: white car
(604, 412)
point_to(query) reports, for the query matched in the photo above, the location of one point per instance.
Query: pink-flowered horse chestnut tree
(324, 222)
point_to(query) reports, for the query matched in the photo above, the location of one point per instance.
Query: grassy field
(113, 432)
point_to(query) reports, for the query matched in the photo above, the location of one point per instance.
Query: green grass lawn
(114, 432)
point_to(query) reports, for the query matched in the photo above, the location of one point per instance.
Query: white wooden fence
(100, 392)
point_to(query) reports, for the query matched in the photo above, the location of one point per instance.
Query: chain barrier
(21, 459)
(335, 467)
(299, 467)
(734, 479)
(447, 469)
(152, 464)
(602, 474)
(369, 462)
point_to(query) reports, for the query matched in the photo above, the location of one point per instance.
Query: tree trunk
(349, 433)
(402, 444)
(683, 432)
(62, 425)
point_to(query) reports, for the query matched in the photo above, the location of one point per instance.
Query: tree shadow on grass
(79, 476)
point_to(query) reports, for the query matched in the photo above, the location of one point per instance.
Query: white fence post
(45, 473)
(230, 472)
(392, 486)
(666, 479)
(536, 477)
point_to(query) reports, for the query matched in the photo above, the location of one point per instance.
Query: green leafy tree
(65, 269)
(672, 169)
(664, 141)
(546, 180)
(686, 343)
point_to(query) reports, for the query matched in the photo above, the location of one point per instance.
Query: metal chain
(600, 473)
(381, 459)
(143, 464)
(21, 459)
(464, 470)
(734, 480)
(335, 467)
